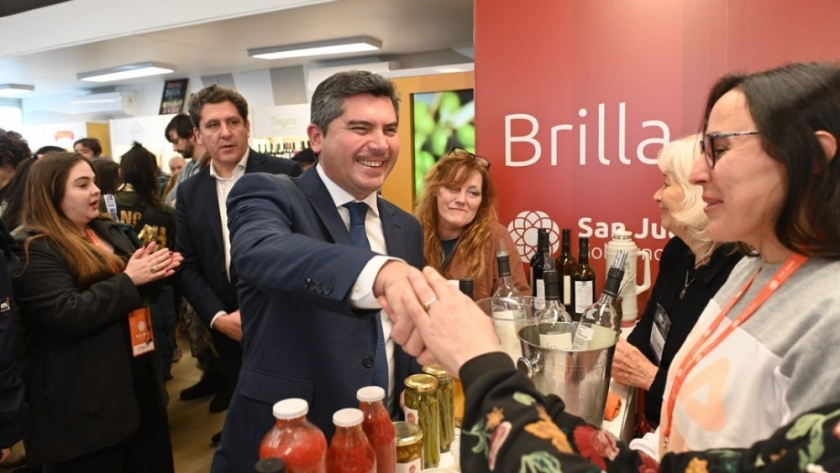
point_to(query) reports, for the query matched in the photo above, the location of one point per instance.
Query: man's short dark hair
(183, 126)
(216, 94)
(328, 99)
(49, 149)
(13, 148)
(91, 144)
(305, 156)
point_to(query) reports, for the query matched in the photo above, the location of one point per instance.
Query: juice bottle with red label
(300, 444)
(350, 451)
(378, 428)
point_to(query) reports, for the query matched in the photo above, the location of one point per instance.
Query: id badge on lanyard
(659, 332)
(140, 324)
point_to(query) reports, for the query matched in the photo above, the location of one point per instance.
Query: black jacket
(13, 406)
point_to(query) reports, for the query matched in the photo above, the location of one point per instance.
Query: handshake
(433, 320)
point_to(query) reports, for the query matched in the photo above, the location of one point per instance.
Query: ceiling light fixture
(129, 71)
(15, 90)
(318, 48)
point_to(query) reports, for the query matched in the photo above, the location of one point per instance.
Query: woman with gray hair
(691, 271)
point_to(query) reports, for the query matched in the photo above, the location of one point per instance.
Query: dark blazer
(202, 276)
(77, 366)
(13, 405)
(300, 337)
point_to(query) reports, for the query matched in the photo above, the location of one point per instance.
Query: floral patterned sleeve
(510, 427)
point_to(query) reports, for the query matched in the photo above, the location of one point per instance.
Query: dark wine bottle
(583, 281)
(467, 286)
(566, 264)
(540, 262)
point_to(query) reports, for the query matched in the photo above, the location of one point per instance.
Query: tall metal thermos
(622, 241)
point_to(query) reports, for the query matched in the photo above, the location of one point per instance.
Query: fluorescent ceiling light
(15, 90)
(129, 71)
(318, 48)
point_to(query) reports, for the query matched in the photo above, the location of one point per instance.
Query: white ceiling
(404, 26)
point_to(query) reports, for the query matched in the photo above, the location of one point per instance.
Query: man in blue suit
(310, 254)
(206, 278)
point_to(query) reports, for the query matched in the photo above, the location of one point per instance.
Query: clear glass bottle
(350, 451)
(603, 312)
(553, 319)
(378, 427)
(293, 439)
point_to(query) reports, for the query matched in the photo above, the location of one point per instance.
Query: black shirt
(676, 269)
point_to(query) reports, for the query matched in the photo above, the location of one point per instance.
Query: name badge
(140, 324)
(659, 332)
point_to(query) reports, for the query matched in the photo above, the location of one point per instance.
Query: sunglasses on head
(481, 160)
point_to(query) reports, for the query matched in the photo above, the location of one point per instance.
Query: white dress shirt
(223, 187)
(361, 297)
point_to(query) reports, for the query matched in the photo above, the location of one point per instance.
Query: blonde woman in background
(691, 271)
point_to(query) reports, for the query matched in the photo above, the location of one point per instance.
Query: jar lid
(437, 371)
(348, 417)
(370, 394)
(407, 433)
(290, 408)
(421, 382)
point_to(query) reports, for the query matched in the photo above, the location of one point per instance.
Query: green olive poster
(442, 121)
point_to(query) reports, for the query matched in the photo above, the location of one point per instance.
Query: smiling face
(745, 190)
(81, 195)
(670, 198)
(360, 146)
(457, 206)
(224, 133)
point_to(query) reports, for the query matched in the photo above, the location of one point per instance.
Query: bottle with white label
(566, 264)
(540, 262)
(508, 307)
(603, 312)
(583, 281)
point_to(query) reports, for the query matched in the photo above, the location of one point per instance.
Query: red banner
(575, 98)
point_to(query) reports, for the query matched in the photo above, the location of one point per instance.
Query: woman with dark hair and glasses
(461, 232)
(756, 386)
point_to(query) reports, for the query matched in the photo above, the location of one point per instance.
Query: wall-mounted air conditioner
(122, 103)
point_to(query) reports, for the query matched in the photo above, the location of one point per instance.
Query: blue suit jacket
(300, 336)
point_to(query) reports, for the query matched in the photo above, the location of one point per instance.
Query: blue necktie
(358, 238)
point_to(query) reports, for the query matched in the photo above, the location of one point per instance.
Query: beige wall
(399, 188)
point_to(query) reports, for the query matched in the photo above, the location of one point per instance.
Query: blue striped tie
(358, 238)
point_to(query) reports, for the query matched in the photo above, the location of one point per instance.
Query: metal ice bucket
(507, 326)
(580, 378)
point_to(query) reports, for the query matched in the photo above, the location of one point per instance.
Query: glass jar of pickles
(421, 407)
(409, 440)
(446, 402)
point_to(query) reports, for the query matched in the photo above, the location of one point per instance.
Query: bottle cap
(437, 371)
(370, 394)
(421, 382)
(348, 417)
(290, 409)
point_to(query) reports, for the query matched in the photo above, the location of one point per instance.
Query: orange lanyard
(790, 266)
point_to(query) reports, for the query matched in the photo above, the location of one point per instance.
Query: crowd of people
(312, 285)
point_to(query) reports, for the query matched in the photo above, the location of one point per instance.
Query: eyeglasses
(710, 144)
(481, 160)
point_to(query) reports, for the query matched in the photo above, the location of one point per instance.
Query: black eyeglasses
(710, 144)
(481, 160)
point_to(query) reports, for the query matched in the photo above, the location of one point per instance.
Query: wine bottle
(553, 319)
(583, 281)
(540, 262)
(508, 308)
(566, 264)
(467, 286)
(603, 312)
